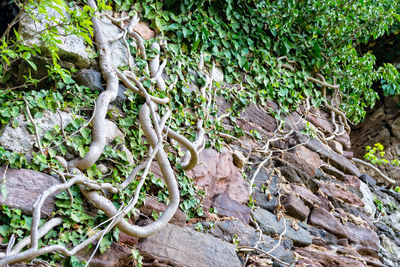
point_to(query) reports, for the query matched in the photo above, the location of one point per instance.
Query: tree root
(387, 179)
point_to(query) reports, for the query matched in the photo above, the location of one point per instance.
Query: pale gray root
(199, 143)
(41, 232)
(145, 165)
(387, 179)
(33, 253)
(153, 131)
(34, 125)
(324, 85)
(128, 84)
(56, 188)
(155, 67)
(192, 162)
(107, 206)
(104, 99)
(37, 233)
(194, 158)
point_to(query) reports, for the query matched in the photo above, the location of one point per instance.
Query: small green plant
(137, 257)
(376, 155)
(380, 206)
(236, 241)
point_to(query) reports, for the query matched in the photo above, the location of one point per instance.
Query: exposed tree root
(381, 174)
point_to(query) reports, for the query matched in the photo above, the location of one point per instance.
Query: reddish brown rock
(336, 192)
(366, 238)
(24, 187)
(116, 256)
(151, 204)
(328, 155)
(328, 169)
(304, 159)
(343, 242)
(127, 239)
(348, 154)
(352, 181)
(306, 195)
(324, 219)
(216, 174)
(326, 258)
(144, 30)
(295, 207)
(253, 115)
(227, 207)
(322, 120)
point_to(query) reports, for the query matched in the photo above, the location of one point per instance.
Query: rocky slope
(304, 204)
(309, 206)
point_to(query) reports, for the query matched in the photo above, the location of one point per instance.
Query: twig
(34, 125)
(250, 249)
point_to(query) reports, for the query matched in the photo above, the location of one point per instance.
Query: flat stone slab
(248, 236)
(24, 187)
(178, 246)
(271, 226)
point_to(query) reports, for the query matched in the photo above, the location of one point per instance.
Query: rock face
(295, 207)
(21, 140)
(24, 187)
(71, 47)
(382, 125)
(178, 246)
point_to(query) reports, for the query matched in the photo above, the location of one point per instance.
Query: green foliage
(250, 36)
(376, 155)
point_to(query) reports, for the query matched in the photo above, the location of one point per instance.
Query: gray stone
(71, 47)
(271, 226)
(218, 74)
(265, 190)
(248, 236)
(93, 80)
(368, 199)
(21, 140)
(367, 179)
(296, 176)
(24, 187)
(179, 246)
(393, 221)
(391, 247)
(90, 78)
(119, 52)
